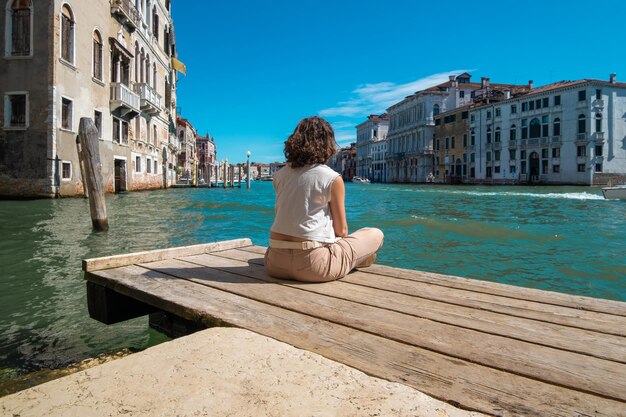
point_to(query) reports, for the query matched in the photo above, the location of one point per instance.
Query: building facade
(370, 132)
(110, 61)
(344, 162)
(569, 132)
(410, 153)
(207, 158)
(451, 141)
(187, 154)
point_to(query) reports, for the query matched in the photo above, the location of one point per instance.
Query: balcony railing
(599, 136)
(150, 99)
(128, 12)
(581, 137)
(599, 103)
(123, 97)
(556, 139)
(513, 143)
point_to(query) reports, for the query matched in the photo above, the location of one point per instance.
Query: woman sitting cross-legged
(309, 238)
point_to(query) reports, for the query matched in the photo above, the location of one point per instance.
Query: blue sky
(255, 68)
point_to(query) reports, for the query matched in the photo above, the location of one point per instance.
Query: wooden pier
(494, 348)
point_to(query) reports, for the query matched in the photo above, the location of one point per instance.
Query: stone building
(411, 123)
(451, 141)
(187, 155)
(109, 60)
(569, 132)
(207, 157)
(369, 136)
(344, 162)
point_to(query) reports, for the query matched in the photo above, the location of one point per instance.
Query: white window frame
(71, 128)
(71, 171)
(8, 31)
(73, 62)
(93, 66)
(7, 110)
(156, 166)
(148, 165)
(137, 169)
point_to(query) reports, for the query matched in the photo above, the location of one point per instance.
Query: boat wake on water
(569, 196)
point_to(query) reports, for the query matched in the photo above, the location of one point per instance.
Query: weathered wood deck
(483, 346)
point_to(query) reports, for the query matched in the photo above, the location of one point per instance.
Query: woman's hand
(338, 207)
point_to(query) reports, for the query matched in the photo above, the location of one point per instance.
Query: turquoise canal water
(566, 239)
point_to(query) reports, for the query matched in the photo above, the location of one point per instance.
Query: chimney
(507, 94)
(451, 77)
(530, 84)
(484, 82)
(612, 78)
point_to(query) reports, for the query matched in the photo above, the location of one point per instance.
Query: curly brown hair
(312, 142)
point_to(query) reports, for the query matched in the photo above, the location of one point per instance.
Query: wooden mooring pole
(89, 156)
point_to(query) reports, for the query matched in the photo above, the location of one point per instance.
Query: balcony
(428, 150)
(533, 142)
(582, 138)
(599, 137)
(128, 13)
(150, 99)
(123, 98)
(513, 143)
(598, 103)
(556, 140)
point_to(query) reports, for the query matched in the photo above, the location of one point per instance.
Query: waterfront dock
(488, 347)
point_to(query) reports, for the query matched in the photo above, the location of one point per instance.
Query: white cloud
(376, 98)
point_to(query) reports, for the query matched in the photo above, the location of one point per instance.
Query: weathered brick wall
(603, 178)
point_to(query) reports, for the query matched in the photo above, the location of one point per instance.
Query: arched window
(137, 63)
(67, 34)
(142, 69)
(556, 127)
(497, 134)
(513, 133)
(97, 55)
(19, 15)
(147, 70)
(166, 40)
(598, 122)
(535, 128)
(489, 135)
(435, 110)
(582, 124)
(154, 76)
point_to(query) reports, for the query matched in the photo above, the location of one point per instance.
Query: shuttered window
(67, 35)
(20, 28)
(97, 56)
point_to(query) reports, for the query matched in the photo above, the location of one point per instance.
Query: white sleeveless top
(302, 198)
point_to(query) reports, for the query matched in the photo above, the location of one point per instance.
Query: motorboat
(616, 192)
(360, 180)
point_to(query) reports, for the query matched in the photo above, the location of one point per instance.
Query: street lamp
(248, 171)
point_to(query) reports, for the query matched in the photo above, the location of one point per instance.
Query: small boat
(360, 180)
(617, 192)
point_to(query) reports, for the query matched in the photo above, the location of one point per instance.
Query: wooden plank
(110, 307)
(487, 287)
(582, 341)
(550, 313)
(466, 384)
(567, 369)
(95, 264)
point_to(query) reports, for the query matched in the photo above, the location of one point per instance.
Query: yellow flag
(179, 66)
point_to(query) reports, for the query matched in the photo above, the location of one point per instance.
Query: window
(557, 100)
(435, 109)
(496, 169)
(556, 127)
(512, 154)
(156, 167)
(544, 166)
(546, 102)
(538, 104)
(155, 23)
(582, 124)
(582, 95)
(535, 128)
(513, 108)
(447, 143)
(464, 115)
(524, 128)
(67, 34)
(488, 156)
(465, 140)
(16, 110)
(513, 133)
(598, 150)
(120, 131)
(462, 94)
(556, 168)
(556, 152)
(489, 135)
(154, 136)
(97, 56)
(472, 157)
(66, 170)
(472, 118)
(497, 134)
(512, 169)
(437, 144)
(498, 112)
(452, 142)
(525, 106)
(581, 168)
(598, 122)
(581, 150)
(66, 113)
(531, 105)
(545, 131)
(472, 137)
(19, 28)
(148, 166)
(97, 119)
(522, 154)
(544, 153)
(488, 114)
(598, 94)
(496, 155)
(138, 164)
(598, 167)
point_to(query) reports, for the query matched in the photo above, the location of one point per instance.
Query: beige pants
(327, 263)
